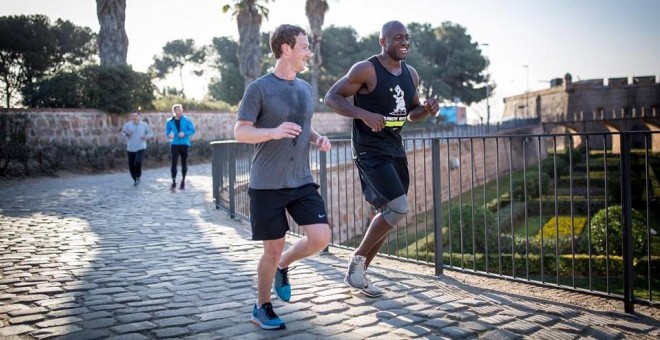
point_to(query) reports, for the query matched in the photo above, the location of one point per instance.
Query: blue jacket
(187, 127)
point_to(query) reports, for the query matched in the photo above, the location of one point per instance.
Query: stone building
(592, 106)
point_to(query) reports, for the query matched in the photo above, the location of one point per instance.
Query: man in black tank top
(384, 91)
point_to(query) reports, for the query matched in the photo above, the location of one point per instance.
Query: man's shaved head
(389, 27)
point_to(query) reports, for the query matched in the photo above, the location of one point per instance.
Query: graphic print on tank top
(397, 118)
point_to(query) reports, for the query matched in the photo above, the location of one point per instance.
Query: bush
(637, 187)
(116, 89)
(100, 157)
(14, 151)
(498, 203)
(511, 216)
(609, 222)
(157, 151)
(18, 159)
(566, 226)
(576, 155)
(534, 187)
(548, 167)
(165, 104)
(64, 90)
(518, 190)
(462, 219)
(566, 245)
(563, 206)
(119, 89)
(582, 264)
(51, 157)
(614, 187)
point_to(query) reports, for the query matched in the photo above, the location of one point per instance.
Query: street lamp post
(487, 86)
(527, 93)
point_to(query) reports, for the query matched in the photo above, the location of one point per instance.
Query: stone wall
(92, 127)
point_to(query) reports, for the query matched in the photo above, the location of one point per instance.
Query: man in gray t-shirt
(136, 132)
(276, 115)
(269, 102)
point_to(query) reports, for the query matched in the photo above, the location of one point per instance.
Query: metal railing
(574, 211)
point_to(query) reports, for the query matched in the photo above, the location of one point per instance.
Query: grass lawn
(534, 224)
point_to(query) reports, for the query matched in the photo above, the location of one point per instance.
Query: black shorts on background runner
(268, 210)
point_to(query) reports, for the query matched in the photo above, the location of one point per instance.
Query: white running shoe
(370, 289)
(355, 273)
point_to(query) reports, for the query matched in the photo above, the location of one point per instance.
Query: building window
(626, 112)
(599, 113)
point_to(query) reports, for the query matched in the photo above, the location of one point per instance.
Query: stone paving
(91, 256)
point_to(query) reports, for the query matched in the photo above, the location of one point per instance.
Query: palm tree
(315, 11)
(113, 41)
(248, 17)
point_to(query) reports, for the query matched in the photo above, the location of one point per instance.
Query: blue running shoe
(266, 318)
(281, 284)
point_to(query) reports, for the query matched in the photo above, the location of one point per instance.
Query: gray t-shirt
(134, 141)
(268, 102)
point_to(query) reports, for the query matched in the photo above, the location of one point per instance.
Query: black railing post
(626, 211)
(222, 165)
(216, 173)
(231, 165)
(323, 179)
(323, 176)
(437, 205)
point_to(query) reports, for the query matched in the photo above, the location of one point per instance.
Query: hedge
(549, 164)
(467, 216)
(580, 207)
(599, 264)
(48, 158)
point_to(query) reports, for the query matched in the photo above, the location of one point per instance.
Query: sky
(588, 38)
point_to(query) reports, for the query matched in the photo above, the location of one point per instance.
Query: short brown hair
(284, 34)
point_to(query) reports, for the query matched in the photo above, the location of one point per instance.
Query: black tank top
(392, 98)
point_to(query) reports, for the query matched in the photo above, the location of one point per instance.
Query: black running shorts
(383, 179)
(268, 210)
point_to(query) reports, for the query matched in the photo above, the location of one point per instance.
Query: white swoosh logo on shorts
(321, 216)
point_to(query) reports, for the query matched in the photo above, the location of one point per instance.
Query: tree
(341, 48)
(338, 50)
(268, 58)
(31, 48)
(113, 41)
(176, 55)
(315, 11)
(449, 63)
(248, 18)
(229, 87)
(116, 89)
